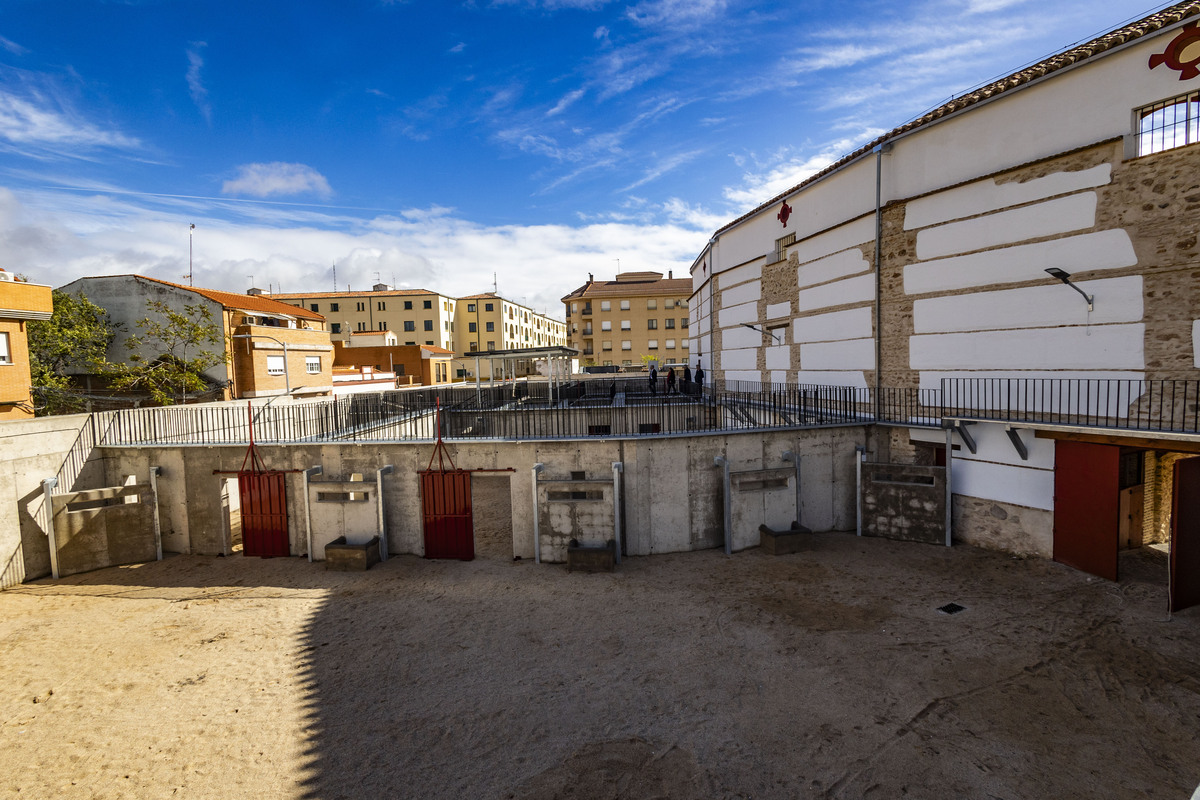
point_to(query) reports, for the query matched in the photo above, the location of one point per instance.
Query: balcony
(587, 310)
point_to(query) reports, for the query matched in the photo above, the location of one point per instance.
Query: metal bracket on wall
(960, 428)
(1017, 444)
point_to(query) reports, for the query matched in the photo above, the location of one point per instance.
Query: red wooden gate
(1086, 507)
(264, 513)
(1185, 535)
(446, 507)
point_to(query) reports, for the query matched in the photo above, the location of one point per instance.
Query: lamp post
(287, 384)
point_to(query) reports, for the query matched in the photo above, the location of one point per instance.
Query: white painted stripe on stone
(779, 376)
(838, 265)
(839, 293)
(1093, 347)
(740, 337)
(853, 323)
(778, 310)
(852, 354)
(1003, 483)
(1109, 249)
(742, 375)
(746, 272)
(1116, 300)
(981, 197)
(779, 357)
(739, 359)
(742, 293)
(852, 379)
(1196, 343)
(1062, 215)
(849, 235)
(736, 315)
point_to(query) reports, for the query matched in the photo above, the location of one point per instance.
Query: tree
(183, 345)
(75, 341)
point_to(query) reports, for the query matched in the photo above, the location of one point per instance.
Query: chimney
(590, 278)
(670, 274)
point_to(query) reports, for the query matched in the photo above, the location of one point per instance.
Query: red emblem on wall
(784, 213)
(1189, 36)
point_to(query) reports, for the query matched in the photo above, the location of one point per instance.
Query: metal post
(793, 457)
(860, 453)
(383, 545)
(537, 539)
(48, 507)
(308, 473)
(154, 473)
(617, 468)
(949, 485)
(721, 461)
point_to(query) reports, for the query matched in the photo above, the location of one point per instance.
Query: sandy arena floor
(829, 673)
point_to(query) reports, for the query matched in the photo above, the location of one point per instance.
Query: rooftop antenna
(251, 277)
(189, 275)
(495, 290)
(335, 276)
(377, 278)
(618, 265)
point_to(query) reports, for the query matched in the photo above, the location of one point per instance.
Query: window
(625, 325)
(381, 306)
(624, 305)
(606, 305)
(490, 327)
(669, 303)
(681, 303)
(410, 344)
(333, 306)
(470, 307)
(5, 353)
(383, 326)
(361, 306)
(651, 324)
(685, 344)
(312, 365)
(488, 306)
(428, 324)
(471, 327)
(652, 344)
(626, 345)
(1169, 124)
(408, 305)
(409, 326)
(428, 304)
(275, 365)
(606, 324)
(670, 344)
(626, 363)
(474, 346)
(652, 304)
(362, 326)
(491, 344)
(335, 327)
(315, 308)
(683, 322)
(606, 345)
(427, 341)
(446, 325)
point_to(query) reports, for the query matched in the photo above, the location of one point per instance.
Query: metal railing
(1168, 406)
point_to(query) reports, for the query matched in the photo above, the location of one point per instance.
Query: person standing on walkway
(653, 379)
(687, 374)
(670, 380)
(699, 378)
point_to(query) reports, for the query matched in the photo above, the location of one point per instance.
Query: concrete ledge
(344, 557)
(591, 558)
(781, 543)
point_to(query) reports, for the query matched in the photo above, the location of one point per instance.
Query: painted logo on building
(784, 213)
(1182, 54)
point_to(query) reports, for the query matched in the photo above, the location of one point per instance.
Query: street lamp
(1065, 277)
(287, 384)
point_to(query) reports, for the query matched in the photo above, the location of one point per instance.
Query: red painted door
(1086, 507)
(1185, 535)
(264, 514)
(446, 507)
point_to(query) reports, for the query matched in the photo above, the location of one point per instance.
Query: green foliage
(185, 344)
(74, 340)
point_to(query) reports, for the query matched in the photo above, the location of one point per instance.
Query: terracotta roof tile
(245, 302)
(1073, 55)
(661, 287)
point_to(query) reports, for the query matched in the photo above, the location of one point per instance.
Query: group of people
(672, 386)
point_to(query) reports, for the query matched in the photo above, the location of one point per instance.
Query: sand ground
(824, 674)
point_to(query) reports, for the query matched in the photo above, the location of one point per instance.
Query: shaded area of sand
(828, 673)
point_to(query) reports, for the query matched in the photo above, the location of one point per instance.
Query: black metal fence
(629, 406)
(1139, 405)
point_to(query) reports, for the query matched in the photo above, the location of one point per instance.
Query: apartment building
(271, 348)
(19, 302)
(618, 322)
(416, 316)
(489, 322)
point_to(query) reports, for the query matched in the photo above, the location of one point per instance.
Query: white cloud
(275, 179)
(675, 14)
(13, 47)
(196, 87)
(458, 48)
(41, 122)
(781, 171)
(567, 100)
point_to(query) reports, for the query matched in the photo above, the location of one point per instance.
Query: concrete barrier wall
(904, 501)
(30, 451)
(672, 491)
(104, 527)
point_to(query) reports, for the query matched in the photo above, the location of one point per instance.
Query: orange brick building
(427, 365)
(19, 302)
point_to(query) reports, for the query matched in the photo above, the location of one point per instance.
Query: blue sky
(432, 144)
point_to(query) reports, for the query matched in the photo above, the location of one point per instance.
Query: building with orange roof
(271, 348)
(380, 352)
(20, 302)
(617, 322)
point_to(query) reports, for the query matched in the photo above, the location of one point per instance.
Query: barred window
(1168, 124)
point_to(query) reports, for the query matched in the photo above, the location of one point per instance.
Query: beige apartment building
(478, 323)
(617, 322)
